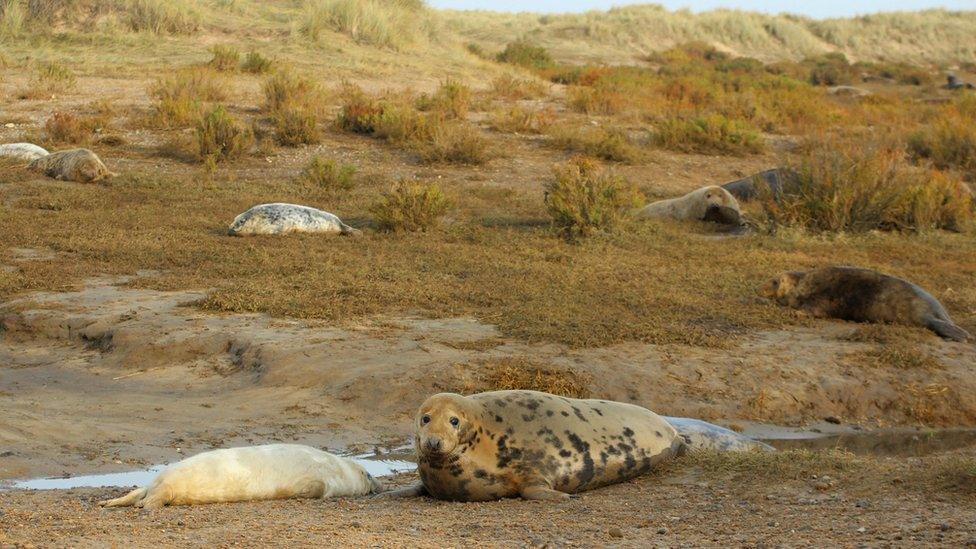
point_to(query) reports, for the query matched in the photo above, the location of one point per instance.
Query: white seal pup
(704, 436)
(710, 203)
(79, 165)
(287, 218)
(22, 151)
(272, 471)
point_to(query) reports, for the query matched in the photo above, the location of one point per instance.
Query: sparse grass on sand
(520, 373)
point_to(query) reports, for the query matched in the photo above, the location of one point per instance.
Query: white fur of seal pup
(710, 203)
(272, 471)
(79, 165)
(22, 151)
(281, 218)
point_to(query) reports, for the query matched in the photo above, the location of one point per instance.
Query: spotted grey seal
(281, 218)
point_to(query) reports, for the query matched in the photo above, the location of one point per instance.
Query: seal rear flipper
(414, 491)
(129, 499)
(947, 329)
(349, 231)
(541, 492)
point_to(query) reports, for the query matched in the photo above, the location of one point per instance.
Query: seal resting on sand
(710, 203)
(79, 165)
(862, 295)
(22, 151)
(534, 445)
(287, 218)
(272, 471)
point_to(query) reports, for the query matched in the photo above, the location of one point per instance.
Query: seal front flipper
(947, 329)
(542, 492)
(414, 491)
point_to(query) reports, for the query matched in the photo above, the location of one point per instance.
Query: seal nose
(433, 444)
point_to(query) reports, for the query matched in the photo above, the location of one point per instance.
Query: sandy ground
(74, 403)
(676, 508)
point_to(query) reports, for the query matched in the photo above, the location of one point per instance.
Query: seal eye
(455, 421)
(425, 420)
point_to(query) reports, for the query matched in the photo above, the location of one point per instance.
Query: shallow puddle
(893, 442)
(378, 465)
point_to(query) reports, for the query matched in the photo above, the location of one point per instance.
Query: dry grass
(899, 355)
(949, 141)
(850, 186)
(615, 36)
(49, 80)
(523, 374)
(583, 198)
(285, 89)
(410, 206)
(394, 24)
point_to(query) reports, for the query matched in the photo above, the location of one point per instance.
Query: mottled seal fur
(710, 203)
(273, 471)
(862, 295)
(80, 165)
(534, 445)
(22, 151)
(777, 181)
(287, 218)
(704, 436)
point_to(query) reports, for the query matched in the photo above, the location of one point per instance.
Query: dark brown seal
(862, 295)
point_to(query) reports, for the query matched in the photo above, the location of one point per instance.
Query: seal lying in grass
(862, 295)
(273, 471)
(776, 181)
(22, 151)
(287, 218)
(79, 165)
(705, 204)
(540, 446)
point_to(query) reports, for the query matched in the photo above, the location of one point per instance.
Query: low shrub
(452, 99)
(711, 134)
(66, 127)
(220, 136)
(605, 143)
(255, 63)
(599, 99)
(831, 69)
(285, 89)
(225, 58)
(358, 112)
(949, 142)
(847, 186)
(296, 126)
(583, 198)
(329, 174)
(509, 86)
(410, 207)
(180, 97)
(524, 54)
(453, 142)
(523, 120)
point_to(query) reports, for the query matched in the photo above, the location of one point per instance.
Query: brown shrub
(582, 198)
(221, 137)
(410, 206)
(605, 143)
